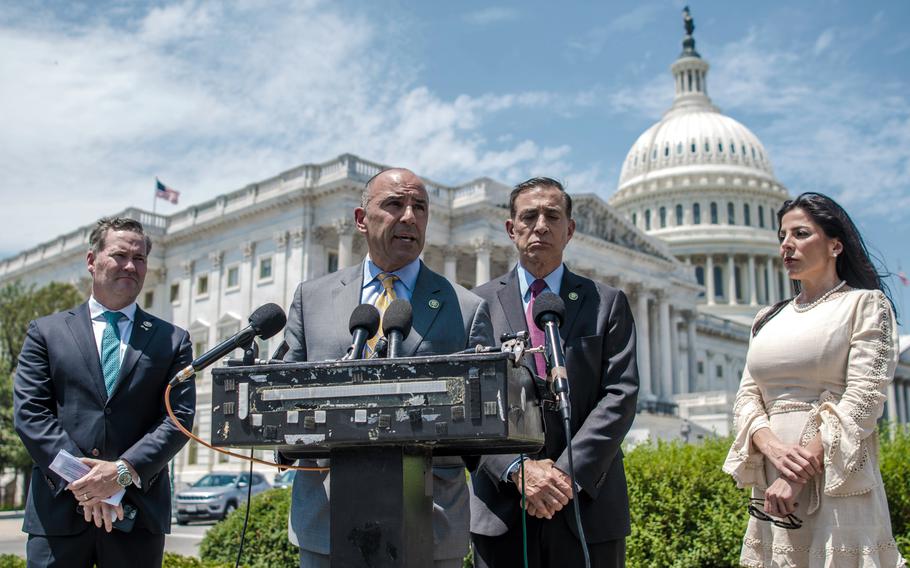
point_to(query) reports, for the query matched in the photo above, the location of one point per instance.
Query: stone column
(666, 362)
(769, 280)
(709, 279)
(710, 379)
(643, 345)
(451, 263)
(753, 288)
(186, 293)
(280, 267)
(891, 403)
(295, 259)
(731, 281)
(676, 382)
(215, 293)
(900, 403)
(247, 276)
(785, 280)
(345, 229)
(692, 355)
(482, 247)
(906, 387)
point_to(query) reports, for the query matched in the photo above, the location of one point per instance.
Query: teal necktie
(110, 350)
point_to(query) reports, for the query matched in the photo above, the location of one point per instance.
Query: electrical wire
(581, 530)
(524, 512)
(246, 518)
(251, 459)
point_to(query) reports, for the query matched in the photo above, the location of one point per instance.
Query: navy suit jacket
(599, 342)
(60, 403)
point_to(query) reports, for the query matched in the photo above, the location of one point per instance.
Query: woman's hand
(780, 497)
(795, 463)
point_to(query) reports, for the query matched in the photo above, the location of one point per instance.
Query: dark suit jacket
(317, 330)
(599, 342)
(60, 402)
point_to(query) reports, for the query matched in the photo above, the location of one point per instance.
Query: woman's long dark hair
(854, 263)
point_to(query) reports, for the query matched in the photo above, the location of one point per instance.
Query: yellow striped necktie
(382, 302)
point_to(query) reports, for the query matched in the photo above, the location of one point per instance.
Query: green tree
(19, 304)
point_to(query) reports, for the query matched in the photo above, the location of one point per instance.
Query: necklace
(800, 308)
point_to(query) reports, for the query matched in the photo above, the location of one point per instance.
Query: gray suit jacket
(317, 330)
(60, 403)
(599, 342)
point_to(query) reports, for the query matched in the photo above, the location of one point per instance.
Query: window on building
(731, 214)
(635, 219)
(761, 216)
(202, 285)
(175, 292)
(720, 147)
(663, 217)
(719, 369)
(773, 220)
(737, 277)
(694, 147)
(714, 213)
(700, 277)
(696, 214)
(233, 277)
(747, 215)
(666, 150)
(707, 147)
(148, 300)
(718, 282)
(265, 268)
(701, 367)
(732, 148)
(679, 148)
(679, 215)
(332, 262)
(647, 219)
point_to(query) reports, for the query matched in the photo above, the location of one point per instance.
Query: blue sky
(99, 98)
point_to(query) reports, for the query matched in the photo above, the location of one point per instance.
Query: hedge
(685, 511)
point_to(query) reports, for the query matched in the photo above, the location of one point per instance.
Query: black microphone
(265, 322)
(549, 311)
(364, 324)
(396, 325)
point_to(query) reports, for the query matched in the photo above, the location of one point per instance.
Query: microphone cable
(581, 531)
(524, 512)
(246, 518)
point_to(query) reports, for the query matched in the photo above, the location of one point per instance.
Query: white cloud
(491, 15)
(824, 41)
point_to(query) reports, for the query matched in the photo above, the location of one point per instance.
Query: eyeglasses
(791, 522)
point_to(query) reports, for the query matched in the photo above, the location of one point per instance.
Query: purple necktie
(537, 336)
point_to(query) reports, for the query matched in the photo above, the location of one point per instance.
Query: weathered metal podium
(380, 421)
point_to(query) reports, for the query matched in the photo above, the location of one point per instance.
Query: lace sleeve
(744, 462)
(848, 425)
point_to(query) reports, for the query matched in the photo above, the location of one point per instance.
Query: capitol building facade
(690, 235)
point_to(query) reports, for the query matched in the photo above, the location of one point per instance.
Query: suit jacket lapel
(143, 330)
(426, 289)
(80, 324)
(512, 306)
(572, 292)
(345, 298)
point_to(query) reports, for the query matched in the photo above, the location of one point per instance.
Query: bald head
(393, 217)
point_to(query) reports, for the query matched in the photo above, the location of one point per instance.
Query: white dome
(694, 137)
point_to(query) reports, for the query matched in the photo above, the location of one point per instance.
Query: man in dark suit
(446, 318)
(599, 341)
(91, 381)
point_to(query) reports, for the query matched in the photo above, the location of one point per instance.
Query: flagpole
(155, 198)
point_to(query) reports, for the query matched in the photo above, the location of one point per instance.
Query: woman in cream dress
(806, 413)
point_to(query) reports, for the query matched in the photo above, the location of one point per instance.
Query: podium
(381, 422)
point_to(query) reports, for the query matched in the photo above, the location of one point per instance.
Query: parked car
(216, 495)
(285, 479)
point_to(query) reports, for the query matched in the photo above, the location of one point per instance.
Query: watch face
(125, 479)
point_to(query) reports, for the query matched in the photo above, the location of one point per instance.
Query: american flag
(903, 278)
(164, 192)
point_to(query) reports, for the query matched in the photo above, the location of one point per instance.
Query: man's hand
(97, 485)
(780, 497)
(547, 488)
(101, 514)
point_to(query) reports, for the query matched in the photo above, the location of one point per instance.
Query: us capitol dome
(703, 183)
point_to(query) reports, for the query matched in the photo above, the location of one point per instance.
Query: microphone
(265, 322)
(396, 325)
(549, 312)
(364, 324)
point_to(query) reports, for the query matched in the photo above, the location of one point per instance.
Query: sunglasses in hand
(756, 507)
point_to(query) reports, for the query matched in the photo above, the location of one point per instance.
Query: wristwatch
(124, 477)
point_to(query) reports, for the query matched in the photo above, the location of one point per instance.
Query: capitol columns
(216, 258)
(753, 288)
(296, 257)
(345, 230)
(709, 279)
(769, 279)
(186, 291)
(247, 275)
(280, 264)
(731, 280)
(450, 262)
(482, 247)
(665, 345)
(785, 281)
(642, 343)
(692, 358)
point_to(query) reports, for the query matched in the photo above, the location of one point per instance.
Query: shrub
(266, 543)
(172, 560)
(895, 465)
(11, 561)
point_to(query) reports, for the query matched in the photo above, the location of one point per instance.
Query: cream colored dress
(824, 371)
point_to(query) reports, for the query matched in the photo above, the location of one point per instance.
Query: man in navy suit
(91, 381)
(599, 341)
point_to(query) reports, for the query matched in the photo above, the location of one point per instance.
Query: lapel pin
(573, 296)
(434, 304)
(146, 325)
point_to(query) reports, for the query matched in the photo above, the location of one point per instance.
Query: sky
(101, 97)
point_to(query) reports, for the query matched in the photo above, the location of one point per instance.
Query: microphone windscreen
(267, 320)
(365, 316)
(549, 305)
(397, 317)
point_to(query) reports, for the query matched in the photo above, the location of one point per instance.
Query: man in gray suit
(599, 341)
(393, 218)
(91, 381)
